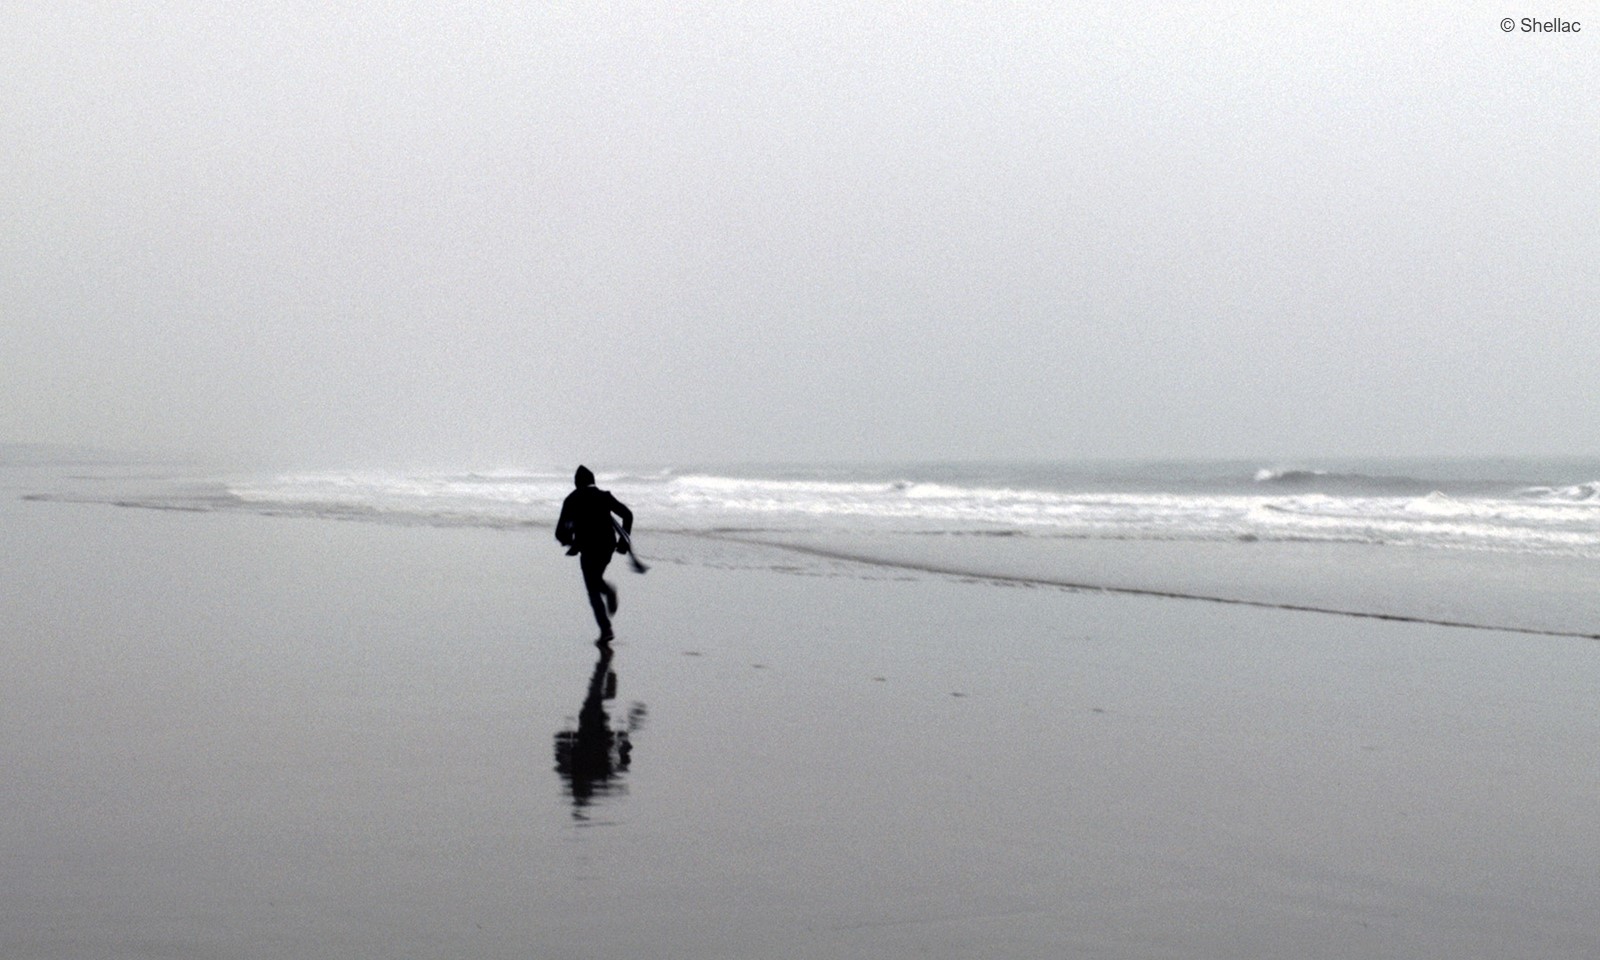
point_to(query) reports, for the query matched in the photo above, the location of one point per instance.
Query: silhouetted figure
(585, 528)
(591, 757)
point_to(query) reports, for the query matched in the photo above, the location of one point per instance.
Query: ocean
(1503, 542)
(1513, 506)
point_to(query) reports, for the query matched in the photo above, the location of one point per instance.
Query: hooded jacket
(585, 520)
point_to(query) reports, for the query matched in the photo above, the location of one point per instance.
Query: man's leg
(601, 596)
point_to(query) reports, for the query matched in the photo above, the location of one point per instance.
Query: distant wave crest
(1576, 493)
(1329, 480)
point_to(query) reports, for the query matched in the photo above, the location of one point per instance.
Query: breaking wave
(1577, 493)
(1291, 506)
(1329, 480)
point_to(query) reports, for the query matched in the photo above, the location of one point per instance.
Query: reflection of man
(590, 757)
(586, 529)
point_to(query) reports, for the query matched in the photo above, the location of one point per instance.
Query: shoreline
(1045, 581)
(1419, 578)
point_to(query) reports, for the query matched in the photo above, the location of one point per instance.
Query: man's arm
(564, 523)
(621, 510)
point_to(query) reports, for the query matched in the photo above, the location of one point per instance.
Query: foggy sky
(617, 232)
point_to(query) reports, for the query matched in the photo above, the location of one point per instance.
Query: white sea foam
(1272, 475)
(1557, 520)
(1577, 493)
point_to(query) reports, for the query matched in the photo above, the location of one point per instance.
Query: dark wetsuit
(586, 525)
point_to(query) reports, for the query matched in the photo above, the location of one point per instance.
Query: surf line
(1143, 591)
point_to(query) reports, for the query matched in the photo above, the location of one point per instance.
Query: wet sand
(247, 737)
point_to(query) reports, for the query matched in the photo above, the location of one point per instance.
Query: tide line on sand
(950, 571)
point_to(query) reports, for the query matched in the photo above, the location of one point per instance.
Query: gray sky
(457, 232)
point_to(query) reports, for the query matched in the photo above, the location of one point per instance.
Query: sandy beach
(235, 736)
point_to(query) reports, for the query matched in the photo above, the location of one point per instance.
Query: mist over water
(454, 234)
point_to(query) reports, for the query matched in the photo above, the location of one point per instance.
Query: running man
(585, 529)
